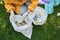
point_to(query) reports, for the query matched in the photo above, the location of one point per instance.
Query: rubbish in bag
(35, 18)
(21, 24)
(39, 16)
(25, 29)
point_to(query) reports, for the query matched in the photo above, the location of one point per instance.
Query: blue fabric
(23, 8)
(56, 2)
(49, 7)
(59, 1)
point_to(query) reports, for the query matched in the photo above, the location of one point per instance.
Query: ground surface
(49, 31)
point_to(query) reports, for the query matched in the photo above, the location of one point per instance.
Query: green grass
(48, 31)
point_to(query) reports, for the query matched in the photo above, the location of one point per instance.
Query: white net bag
(39, 16)
(25, 29)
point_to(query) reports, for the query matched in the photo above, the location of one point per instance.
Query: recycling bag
(25, 28)
(39, 16)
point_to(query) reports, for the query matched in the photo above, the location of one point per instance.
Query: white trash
(26, 29)
(39, 16)
(58, 14)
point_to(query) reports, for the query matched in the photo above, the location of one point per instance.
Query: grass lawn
(49, 31)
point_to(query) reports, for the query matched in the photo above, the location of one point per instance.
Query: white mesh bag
(25, 29)
(39, 16)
